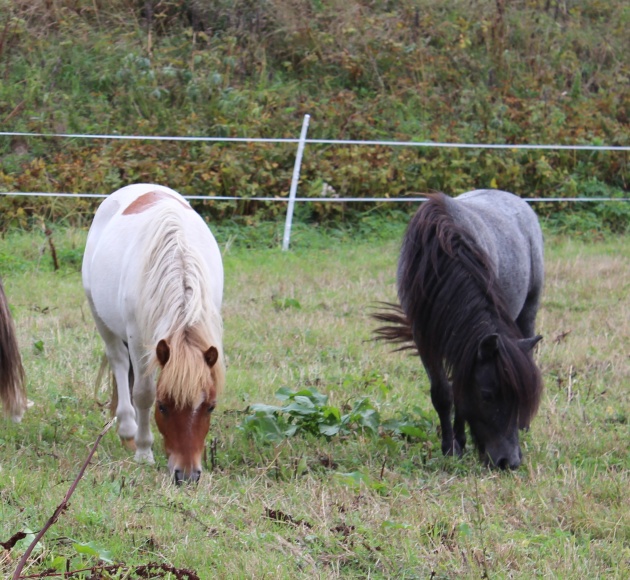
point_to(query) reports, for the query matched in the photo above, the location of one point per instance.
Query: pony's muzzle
(504, 458)
(504, 463)
(184, 469)
(182, 476)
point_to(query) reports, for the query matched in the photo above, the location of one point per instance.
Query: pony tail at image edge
(397, 329)
(12, 390)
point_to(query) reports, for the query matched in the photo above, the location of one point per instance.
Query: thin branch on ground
(63, 505)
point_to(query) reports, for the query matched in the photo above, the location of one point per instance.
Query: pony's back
(507, 231)
(128, 227)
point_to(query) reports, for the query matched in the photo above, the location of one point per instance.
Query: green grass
(354, 507)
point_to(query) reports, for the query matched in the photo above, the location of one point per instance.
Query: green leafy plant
(307, 411)
(92, 549)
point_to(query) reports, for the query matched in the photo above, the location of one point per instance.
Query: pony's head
(501, 397)
(190, 378)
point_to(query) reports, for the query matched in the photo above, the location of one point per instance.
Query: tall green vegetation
(528, 71)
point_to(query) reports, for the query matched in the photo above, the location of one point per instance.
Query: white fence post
(294, 182)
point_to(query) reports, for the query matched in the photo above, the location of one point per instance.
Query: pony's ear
(488, 347)
(211, 356)
(527, 344)
(163, 352)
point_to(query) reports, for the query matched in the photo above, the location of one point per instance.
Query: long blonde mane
(175, 304)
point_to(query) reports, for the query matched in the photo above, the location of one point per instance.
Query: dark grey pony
(469, 279)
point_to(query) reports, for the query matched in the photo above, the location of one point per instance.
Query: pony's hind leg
(526, 320)
(118, 356)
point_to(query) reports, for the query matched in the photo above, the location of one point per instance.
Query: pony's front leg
(118, 357)
(143, 397)
(442, 399)
(459, 426)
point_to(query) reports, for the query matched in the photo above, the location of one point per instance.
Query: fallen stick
(63, 505)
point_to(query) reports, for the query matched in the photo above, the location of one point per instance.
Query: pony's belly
(111, 283)
(110, 312)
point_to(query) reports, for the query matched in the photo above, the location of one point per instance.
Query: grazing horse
(153, 276)
(12, 392)
(469, 279)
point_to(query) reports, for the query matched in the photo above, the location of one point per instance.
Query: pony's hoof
(452, 449)
(127, 431)
(17, 414)
(128, 443)
(145, 456)
(17, 417)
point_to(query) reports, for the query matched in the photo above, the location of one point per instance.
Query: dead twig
(279, 516)
(213, 454)
(53, 250)
(14, 539)
(153, 570)
(63, 505)
(561, 336)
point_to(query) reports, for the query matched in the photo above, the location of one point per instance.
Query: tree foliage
(529, 71)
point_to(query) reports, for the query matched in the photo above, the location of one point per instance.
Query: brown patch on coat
(148, 200)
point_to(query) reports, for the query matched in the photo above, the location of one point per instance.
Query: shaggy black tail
(397, 330)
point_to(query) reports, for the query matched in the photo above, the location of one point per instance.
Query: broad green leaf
(329, 430)
(413, 431)
(93, 549)
(260, 408)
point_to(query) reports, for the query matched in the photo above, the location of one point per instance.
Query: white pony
(153, 277)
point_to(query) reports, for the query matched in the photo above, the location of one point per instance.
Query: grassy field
(357, 506)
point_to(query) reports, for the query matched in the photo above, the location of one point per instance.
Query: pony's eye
(162, 408)
(211, 407)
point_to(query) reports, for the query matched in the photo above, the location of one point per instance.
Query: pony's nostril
(517, 462)
(180, 476)
(504, 463)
